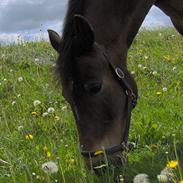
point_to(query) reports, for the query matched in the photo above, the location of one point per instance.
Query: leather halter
(122, 76)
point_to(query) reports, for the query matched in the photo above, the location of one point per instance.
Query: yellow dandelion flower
(29, 137)
(34, 113)
(98, 152)
(158, 93)
(172, 164)
(48, 154)
(181, 181)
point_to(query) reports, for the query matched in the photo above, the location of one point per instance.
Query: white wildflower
(165, 89)
(50, 167)
(146, 57)
(20, 79)
(19, 95)
(33, 173)
(154, 73)
(5, 79)
(13, 103)
(162, 178)
(51, 110)
(132, 72)
(139, 65)
(141, 178)
(45, 114)
(11, 70)
(36, 59)
(20, 128)
(144, 68)
(174, 69)
(36, 103)
(168, 173)
(3, 55)
(64, 108)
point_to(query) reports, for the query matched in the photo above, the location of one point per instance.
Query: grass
(27, 140)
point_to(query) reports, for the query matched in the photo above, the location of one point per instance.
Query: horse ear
(83, 33)
(55, 39)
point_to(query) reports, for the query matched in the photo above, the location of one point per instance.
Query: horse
(92, 65)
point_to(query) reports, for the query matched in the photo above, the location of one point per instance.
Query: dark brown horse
(93, 69)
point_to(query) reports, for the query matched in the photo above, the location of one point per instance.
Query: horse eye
(93, 87)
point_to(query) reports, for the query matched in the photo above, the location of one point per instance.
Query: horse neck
(116, 23)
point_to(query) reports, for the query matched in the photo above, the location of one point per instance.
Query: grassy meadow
(37, 126)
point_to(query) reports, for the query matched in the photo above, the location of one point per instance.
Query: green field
(30, 135)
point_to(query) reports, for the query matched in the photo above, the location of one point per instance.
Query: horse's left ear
(83, 33)
(55, 39)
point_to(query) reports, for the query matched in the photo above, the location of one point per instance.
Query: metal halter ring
(119, 73)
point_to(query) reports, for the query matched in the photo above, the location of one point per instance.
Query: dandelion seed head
(139, 65)
(154, 73)
(141, 178)
(162, 178)
(20, 128)
(20, 79)
(13, 103)
(36, 103)
(165, 89)
(45, 114)
(33, 173)
(51, 110)
(50, 167)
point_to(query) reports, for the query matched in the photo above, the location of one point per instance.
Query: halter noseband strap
(122, 75)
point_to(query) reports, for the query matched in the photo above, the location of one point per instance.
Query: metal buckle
(119, 73)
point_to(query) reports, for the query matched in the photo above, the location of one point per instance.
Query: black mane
(64, 63)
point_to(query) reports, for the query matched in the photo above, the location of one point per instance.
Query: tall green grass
(156, 61)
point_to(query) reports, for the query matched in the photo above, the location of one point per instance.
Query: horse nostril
(93, 87)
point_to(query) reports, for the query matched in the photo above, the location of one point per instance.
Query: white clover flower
(146, 57)
(139, 65)
(20, 79)
(3, 55)
(33, 173)
(50, 167)
(141, 178)
(154, 73)
(13, 103)
(19, 95)
(162, 178)
(51, 110)
(36, 59)
(20, 128)
(174, 69)
(165, 89)
(36, 103)
(64, 108)
(45, 114)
